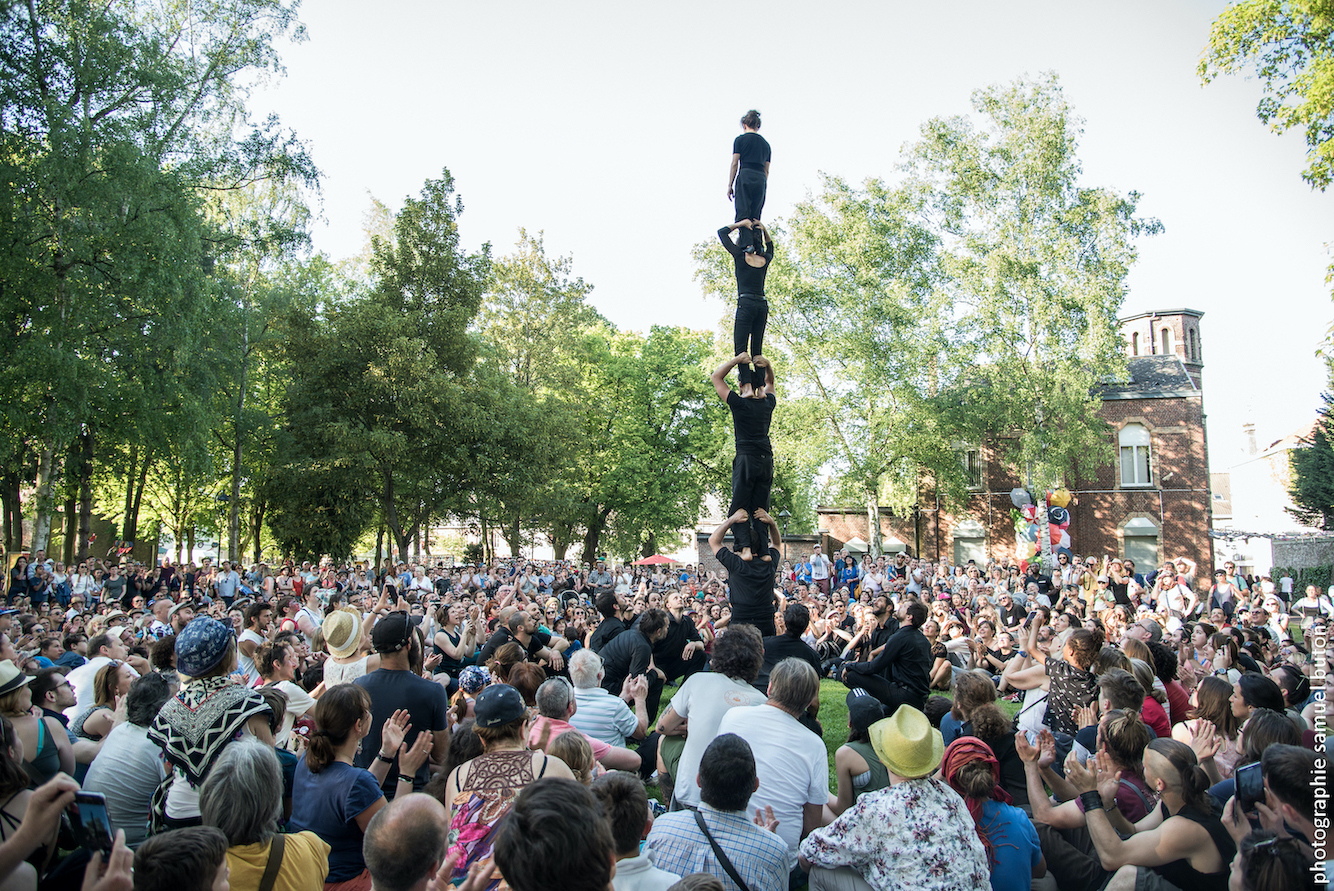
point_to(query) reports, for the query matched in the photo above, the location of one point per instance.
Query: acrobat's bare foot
(746, 555)
(768, 558)
(746, 391)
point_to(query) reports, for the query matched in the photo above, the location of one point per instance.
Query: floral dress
(913, 836)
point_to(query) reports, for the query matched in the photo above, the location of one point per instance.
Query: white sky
(609, 126)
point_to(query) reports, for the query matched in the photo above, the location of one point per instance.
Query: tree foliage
(1312, 488)
(1289, 44)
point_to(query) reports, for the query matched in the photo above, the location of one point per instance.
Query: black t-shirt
(778, 647)
(503, 636)
(627, 655)
(749, 279)
(427, 705)
(602, 635)
(750, 587)
(750, 422)
(667, 652)
(753, 149)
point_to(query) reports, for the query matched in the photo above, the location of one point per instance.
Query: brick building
(1151, 505)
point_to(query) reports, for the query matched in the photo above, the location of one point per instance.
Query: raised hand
(743, 358)
(1079, 776)
(1027, 751)
(1108, 777)
(1047, 743)
(765, 819)
(394, 731)
(410, 760)
(1086, 715)
(1205, 740)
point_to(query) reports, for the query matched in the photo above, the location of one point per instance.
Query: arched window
(1194, 342)
(1168, 348)
(1134, 441)
(1134, 344)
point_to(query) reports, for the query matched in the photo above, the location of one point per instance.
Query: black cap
(863, 709)
(392, 633)
(497, 705)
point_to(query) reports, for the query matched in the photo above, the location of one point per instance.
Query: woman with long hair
(337, 800)
(456, 641)
(45, 744)
(112, 682)
(858, 768)
(14, 794)
(1212, 716)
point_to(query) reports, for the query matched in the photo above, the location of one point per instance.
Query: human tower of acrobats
(752, 563)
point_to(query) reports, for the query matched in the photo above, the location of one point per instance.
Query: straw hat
(907, 744)
(11, 678)
(342, 633)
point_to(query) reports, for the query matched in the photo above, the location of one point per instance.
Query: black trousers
(1072, 860)
(752, 314)
(752, 479)
(749, 196)
(890, 694)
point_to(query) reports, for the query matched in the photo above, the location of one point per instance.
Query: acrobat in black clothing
(752, 308)
(753, 465)
(748, 177)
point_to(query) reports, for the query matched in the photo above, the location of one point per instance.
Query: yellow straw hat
(342, 633)
(907, 744)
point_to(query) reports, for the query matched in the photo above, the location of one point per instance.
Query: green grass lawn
(833, 717)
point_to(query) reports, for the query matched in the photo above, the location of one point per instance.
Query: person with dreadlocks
(1013, 853)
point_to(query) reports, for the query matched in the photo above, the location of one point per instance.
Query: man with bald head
(404, 845)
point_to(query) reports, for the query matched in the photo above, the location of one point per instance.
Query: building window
(1194, 345)
(1167, 342)
(1135, 469)
(970, 542)
(1141, 542)
(972, 467)
(1134, 344)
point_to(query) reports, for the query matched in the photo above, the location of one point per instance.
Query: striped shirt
(760, 857)
(603, 716)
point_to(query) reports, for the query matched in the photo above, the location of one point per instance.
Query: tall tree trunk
(129, 491)
(874, 539)
(257, 511)
(89, 444)
(650, 545)
(379, 547)
(190, 542)
(41, 524)
(13, 509)
(594, 535)
(132, 515)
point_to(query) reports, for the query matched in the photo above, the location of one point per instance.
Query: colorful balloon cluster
(1026, 526)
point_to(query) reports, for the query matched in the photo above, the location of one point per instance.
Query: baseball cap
(392, 633)
(497, 705)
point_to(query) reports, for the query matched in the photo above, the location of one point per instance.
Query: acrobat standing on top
(748, 177)
(753, 464)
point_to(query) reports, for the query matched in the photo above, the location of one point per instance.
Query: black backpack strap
(718, 852)
(275, 863)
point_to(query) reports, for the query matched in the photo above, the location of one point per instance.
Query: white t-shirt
(703, 699)
(819, 566)
(245, 664)
(298, 703)
(791, 762)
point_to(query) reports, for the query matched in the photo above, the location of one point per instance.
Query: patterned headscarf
(965, 750)
(473, 678)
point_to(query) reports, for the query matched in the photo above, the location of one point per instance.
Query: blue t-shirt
(327, 803)
(1015, 842)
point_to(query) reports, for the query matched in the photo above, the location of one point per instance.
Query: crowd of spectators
(532, 724)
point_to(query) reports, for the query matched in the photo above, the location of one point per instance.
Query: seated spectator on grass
(556, 836)
(405, 842)
(625, 808)
(1011, 843)
(915, 834)
(128, 768)
(190, 859)
(243, 797)
(679, 842)
(556, 705)
(856, 764)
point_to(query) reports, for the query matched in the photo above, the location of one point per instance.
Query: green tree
(117, 120)
(383, 399)
(1312, 488)
(1289, 44)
